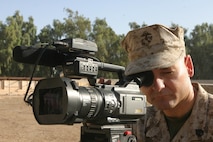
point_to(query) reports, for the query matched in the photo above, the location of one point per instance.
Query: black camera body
(60, 100)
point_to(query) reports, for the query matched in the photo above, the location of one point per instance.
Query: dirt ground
(17, 124)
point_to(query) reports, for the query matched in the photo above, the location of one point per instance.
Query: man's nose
(158, 84)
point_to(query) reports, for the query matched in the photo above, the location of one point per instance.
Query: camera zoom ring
(93, 103)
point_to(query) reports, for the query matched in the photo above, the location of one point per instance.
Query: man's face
(171, 85)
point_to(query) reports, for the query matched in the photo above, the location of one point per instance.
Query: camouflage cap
(152, 47)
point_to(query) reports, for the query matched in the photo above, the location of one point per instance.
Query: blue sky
(118, 13)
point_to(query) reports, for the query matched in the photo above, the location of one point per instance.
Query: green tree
(200, 47)
(134, 25)
(74, 26)
(109, 49)
(77, 26)
(14, 32)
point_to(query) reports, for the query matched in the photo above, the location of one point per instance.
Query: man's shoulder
(153, 113)
(151, 110)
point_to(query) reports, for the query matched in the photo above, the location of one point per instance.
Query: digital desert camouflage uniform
(197, 128)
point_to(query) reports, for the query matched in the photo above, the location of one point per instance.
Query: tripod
(107, 133)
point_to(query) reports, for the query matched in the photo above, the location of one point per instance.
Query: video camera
(103, 109)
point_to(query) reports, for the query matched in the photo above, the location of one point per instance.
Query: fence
(16, 85)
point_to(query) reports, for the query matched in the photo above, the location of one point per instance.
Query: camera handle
(107, 133)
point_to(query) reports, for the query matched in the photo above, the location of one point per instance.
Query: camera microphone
(50, 57)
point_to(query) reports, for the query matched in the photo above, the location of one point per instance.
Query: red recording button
(127, 133)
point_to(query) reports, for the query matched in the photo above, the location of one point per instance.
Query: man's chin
(165, 106)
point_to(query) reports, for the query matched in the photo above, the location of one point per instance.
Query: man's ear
(189, 65)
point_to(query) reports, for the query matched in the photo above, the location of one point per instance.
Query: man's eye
(169, 72)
